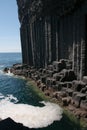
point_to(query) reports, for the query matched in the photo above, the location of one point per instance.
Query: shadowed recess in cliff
(30, 116)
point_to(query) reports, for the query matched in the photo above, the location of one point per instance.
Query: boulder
(63, 94)
(78, 85)
(69, 92)
(63, 61)
(44, 71)
(64, 89)
(50, 67)
(50, 82)
(36, 77)
(68, 64)
(64, 74)
(69, 84)
(57, 76)
(43, 79)
(43, 87)
(38, 82)
(50, 73)
(71, 75)
(29, 74)
(62, 85)
(17, 66)
(84, 90)
(59, 86)
(83, 104)
(6, 70)
(85, 79)
(57, 95)
(58, 66)
(77, 98)
(53, 81)
(32, 70)
(47, 93)
(68, 75)
(40, 70)
(19, 72)
(66, 101)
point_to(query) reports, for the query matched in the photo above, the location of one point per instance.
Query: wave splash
(8, 74)
(30, 116)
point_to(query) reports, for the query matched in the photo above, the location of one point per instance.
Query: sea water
(19, 102)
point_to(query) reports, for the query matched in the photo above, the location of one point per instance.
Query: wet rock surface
(9, 124)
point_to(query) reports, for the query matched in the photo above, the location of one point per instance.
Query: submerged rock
(6, 70)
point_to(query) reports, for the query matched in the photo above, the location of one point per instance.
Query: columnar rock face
(52, 30)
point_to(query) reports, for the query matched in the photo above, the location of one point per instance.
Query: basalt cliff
(52, 30)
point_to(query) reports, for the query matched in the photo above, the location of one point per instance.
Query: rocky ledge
(59, 82)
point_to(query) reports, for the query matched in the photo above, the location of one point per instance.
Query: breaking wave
(30, 116)
(8, 74)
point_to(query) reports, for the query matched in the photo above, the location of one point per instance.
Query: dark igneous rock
(51, 30)
(9, 124)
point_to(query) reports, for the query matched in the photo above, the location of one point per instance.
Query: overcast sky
(9, 27)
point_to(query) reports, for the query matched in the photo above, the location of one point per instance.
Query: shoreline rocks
(61, 85)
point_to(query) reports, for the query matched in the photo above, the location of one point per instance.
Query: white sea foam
(28, 115)
(9, 73)
(1, 71)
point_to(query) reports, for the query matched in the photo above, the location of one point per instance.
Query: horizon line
(11, 52)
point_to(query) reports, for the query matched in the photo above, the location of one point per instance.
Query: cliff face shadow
(9, 124)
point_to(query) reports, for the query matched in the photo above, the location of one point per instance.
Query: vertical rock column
(78, 46)
(49, 40)
(83, 49)
(57, 39)
(47, 29)
(34, 37)
(70, 37)
(29, 47)
(32, 43)
(74, 46)
(42, 42)
(24, 44)
(60, 38)
(54, 38)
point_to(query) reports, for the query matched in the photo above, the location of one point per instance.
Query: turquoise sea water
(21, 103)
